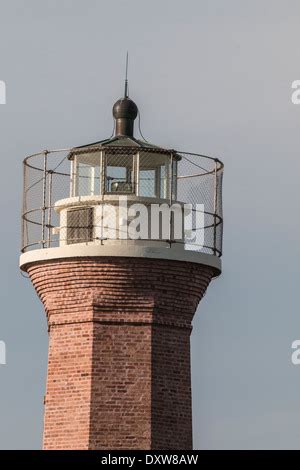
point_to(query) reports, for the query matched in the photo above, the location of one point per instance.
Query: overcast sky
(209, 76)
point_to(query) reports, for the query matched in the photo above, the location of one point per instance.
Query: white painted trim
(118, 249)
(108, 198)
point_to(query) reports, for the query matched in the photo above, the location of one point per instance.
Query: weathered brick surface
(119, 351)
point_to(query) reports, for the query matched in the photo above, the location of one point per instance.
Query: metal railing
(172, 176)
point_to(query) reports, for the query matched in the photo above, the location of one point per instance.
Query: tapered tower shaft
(119, 351)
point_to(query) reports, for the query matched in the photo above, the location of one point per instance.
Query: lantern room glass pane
(148, 183)
(87, 175)
(174, 180)
(163, 182)
(154, 175)
(119, 174)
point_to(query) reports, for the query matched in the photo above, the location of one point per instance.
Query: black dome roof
(125, 108)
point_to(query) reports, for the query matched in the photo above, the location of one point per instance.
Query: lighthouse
(121, 239)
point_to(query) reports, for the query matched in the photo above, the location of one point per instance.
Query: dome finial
(126, 78)
(125, 111)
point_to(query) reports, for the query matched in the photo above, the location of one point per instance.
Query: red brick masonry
(119, 351)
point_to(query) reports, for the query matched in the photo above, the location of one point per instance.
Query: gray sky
(208, 76)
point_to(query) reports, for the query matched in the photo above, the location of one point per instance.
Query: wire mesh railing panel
(200, 184)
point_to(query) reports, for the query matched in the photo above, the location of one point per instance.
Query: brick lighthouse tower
(121, 239)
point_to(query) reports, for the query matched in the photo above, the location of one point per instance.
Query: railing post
(171, 197)
(215, 205)
(137, 174)
(102, 191)
(50, 172)
(24, 223)
(72, 192)
(44, 198)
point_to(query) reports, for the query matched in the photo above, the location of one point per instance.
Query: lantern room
(121, 166)
(127, 170)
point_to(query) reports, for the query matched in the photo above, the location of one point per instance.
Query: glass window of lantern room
(165, 180)
(154, 175)
(119, 173)
(174, 179)
(86, 174)
(147, 182)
